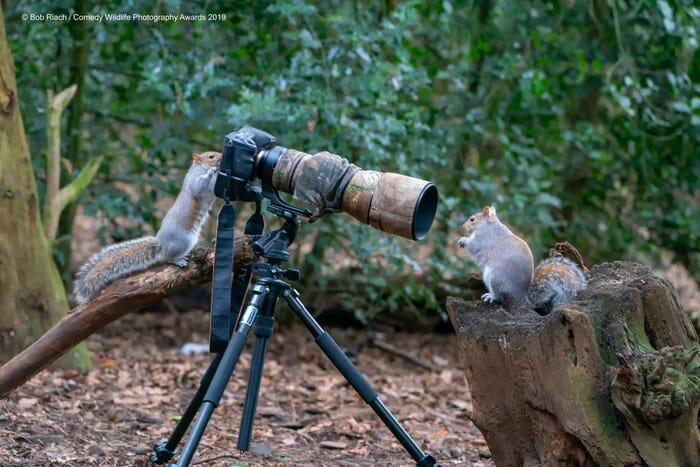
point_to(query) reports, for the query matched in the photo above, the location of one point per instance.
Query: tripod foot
(427, 461)
(160, 454)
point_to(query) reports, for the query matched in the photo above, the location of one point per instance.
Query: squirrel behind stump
(506, 265)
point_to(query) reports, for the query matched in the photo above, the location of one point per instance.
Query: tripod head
(274, 244)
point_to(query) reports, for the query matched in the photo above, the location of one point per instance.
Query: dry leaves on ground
(307, 413)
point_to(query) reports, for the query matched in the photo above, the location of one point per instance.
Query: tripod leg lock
(263, 326)
(160, 454)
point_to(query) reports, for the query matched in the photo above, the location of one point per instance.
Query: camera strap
(254, 226)
(222, 278)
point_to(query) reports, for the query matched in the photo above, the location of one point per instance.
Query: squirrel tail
(113, 262)
(557, 280)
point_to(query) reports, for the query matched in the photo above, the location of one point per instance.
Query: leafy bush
(578, 120)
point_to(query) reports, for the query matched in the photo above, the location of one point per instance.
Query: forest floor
(307, 413)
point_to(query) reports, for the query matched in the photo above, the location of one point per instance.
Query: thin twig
(381, 345)
(144, 124)
(215, 458)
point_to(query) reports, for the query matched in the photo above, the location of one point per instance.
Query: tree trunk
(611, 379)
(32, 297)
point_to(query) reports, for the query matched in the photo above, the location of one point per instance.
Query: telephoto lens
(390, 202)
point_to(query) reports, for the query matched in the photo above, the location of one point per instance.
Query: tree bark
(119, 298)
(612, 378)
(32, 297)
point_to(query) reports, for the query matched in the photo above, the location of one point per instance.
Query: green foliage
(578, 120)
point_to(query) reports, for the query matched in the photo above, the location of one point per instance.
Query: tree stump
(612, 378)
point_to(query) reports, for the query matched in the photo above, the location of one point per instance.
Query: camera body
(238, 164)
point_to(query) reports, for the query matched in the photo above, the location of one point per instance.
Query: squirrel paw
(210, 173)
(181, 262)
(462, 242)
(488, 298)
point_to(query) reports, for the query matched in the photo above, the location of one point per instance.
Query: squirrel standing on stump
(506, 265)
(178, 234)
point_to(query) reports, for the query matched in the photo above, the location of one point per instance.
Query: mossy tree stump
(612, 378)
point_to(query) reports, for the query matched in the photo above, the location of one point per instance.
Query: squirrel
(506, 265)
(178, 234)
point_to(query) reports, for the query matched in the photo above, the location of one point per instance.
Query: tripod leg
(263, 330)
(223, 373)
(163, 452)
(355, 378)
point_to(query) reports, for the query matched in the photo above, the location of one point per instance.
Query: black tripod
(261, 299)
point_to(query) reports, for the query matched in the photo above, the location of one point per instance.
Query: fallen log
(119, 298)
(613, 378)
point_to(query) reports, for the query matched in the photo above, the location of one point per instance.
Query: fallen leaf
(333, 444)
(440, 361)
(442, 432)
(262, 448)
(27, 402)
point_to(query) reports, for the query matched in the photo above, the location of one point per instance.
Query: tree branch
(119, 298)
(70, 192)
(55, 104)
(57, 198)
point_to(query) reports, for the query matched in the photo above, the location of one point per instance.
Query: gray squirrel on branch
(178, 234)
(506, 265)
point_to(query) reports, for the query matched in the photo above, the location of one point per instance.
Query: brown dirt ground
(307, 414)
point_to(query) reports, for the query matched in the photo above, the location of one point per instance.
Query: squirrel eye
(211, 156)
(471, 219)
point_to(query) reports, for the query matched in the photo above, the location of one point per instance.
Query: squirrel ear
(196, 158)
(489, 211)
